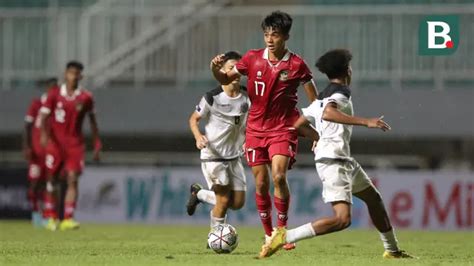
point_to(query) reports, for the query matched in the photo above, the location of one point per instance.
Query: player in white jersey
(341, 175)
(224, 110)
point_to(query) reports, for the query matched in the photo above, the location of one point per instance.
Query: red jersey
(272, 89)
(68, 113)
(32, 116)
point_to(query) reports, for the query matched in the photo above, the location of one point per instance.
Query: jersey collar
(63, 92)
(286, 57)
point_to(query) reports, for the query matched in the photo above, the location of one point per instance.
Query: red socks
(264, 208)
(49, 207)
(282, 206)
(69, 208)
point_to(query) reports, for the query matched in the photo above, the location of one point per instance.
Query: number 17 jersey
(272, 89)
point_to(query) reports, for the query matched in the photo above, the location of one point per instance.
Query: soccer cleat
(193, 200)
(51, 224)
(37, 219)
(401, 254)
(68, 224)
(276, 242)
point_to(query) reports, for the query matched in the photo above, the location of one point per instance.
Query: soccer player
(68, 105)
(224, 110)
(274, 74)
(341, 175)
(34, 152)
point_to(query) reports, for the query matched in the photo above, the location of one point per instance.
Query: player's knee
(237, 204)
(343, 221)
(261, 186)
(279, 179)
(223, 202)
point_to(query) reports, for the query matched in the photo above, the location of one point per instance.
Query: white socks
(390, 242)
(216, 221)
(299, 233)
(207, 196)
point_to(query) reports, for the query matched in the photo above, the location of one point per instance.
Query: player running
(341, 175)
(274, 74)
(225, 112)
(68, 105)
(34, 153)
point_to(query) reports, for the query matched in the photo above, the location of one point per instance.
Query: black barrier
(13, 194)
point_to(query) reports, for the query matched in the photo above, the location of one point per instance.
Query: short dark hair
(231, 55)
(335, 63)
(75, 64)
(278, 20)
(47, 82)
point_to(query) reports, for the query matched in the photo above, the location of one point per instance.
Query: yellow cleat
(401, 254)
(51, 224)
(69, 224)
(276, 242)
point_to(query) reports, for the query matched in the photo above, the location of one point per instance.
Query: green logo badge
(438, 35)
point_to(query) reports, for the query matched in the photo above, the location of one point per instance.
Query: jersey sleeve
(49, 103)
(304, 73)
(311, 112)
(340, 99)
(242, 67)
(203, 108)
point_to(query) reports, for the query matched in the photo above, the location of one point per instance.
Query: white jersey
(334, 138)
(225, 118)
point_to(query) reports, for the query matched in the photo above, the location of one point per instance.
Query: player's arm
(222, 77)
(27, 139)
(201, 140)
(304, 128)
(96, 142)
(311, 90)
(44, 134)
(332, 114)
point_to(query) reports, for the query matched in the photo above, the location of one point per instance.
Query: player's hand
(201, 142)
(97, 150)
(43, 140)
(378, 123)
(27, 153)
(217, 62)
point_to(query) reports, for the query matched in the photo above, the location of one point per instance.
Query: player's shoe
(193, 200)
(276, 242)
(37, 219)
(287, 246)
(68, 224)
(401, 254)
(51, 224)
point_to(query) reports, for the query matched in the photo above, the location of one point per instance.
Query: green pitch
(185, 245)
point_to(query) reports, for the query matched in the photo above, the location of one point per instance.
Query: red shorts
(260, 150)
(36, 166)
(70, 158)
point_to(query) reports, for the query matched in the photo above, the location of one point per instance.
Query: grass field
(93, 244)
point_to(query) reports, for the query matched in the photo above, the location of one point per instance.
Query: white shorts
(341, 179)
(225, 173)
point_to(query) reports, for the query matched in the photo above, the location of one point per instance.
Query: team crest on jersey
(259, 74)
(283, 75)
(244, 108)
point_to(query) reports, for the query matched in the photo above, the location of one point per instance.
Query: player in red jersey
(274, 74)
(34, 153)
(67, 105)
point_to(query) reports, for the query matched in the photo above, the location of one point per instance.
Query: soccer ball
(223, 238)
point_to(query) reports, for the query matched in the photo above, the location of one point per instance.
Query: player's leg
(198, 194)
(366, 191)
(53, 163)
(73, 165)
(238, 183)
(219, 212)
(34, 175)
(282, 191)
(262, 196)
